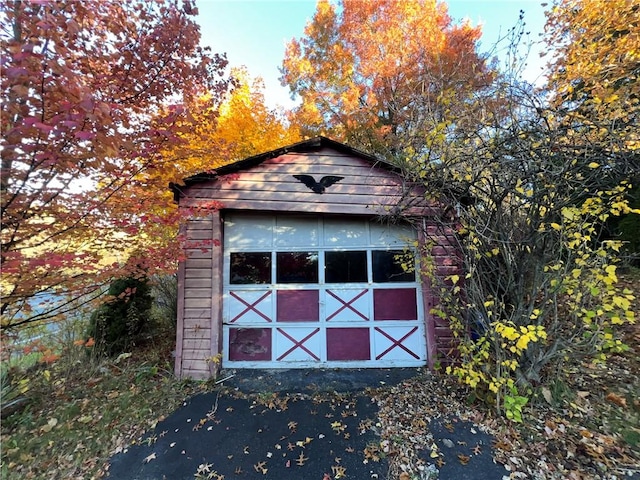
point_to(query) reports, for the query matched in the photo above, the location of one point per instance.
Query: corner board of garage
(325, 196)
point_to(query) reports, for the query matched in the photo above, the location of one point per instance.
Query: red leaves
(85, 135)
(47, 354)
(127, 292)
(82, 120)
(13, 72)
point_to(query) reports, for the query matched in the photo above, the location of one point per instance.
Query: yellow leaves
(338, 426)
(51, 423)
(621, 302)
(555, 226)
(505, 331)
(521, 335)
(522, 343)
(610, 270)
(510, 364)
(593, 165)
(612, 244)
(569, 213)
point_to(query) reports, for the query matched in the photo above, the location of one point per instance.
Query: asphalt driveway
(292, 424)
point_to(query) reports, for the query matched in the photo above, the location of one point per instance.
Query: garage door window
(345, 267)
(297, 267)
(251, 268)
(388, 266)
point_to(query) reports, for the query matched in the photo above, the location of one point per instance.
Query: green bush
(117, 324)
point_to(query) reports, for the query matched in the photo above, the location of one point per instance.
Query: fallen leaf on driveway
(148, 458)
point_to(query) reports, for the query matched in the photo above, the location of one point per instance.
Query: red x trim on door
(250, 306)
(347, 304)
(298, 344)
(397, 343)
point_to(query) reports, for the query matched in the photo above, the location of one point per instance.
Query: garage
(306, 257)
(320, 291)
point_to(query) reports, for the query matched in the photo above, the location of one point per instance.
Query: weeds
(82, 409)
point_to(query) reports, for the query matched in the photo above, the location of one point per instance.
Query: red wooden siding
(197, 339)
(447, 262)
(365, 189)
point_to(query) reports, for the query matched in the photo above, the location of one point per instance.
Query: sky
(254, 33)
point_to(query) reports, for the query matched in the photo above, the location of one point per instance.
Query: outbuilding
(292, 261)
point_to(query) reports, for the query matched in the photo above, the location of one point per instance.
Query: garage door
(304, 292)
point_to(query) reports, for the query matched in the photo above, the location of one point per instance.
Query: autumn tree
(247, 126)
(91, 94)
(209, 137)
(596, 64)
(594, 84)
(380, 74)
(526, 196)
(242, 125)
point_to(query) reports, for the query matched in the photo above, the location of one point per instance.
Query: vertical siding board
(427, 303)
(180, 321)
(192, 272)
(216, 291)
(447, 262)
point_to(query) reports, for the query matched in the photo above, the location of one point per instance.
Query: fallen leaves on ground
(585, 429)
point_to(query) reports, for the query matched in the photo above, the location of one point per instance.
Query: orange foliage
(382, 73)
(209, 136)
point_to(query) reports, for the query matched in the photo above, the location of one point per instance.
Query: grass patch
(81, 410)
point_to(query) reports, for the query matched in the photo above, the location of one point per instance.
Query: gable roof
(310, 145)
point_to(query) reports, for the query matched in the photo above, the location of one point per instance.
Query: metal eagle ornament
(321, 186)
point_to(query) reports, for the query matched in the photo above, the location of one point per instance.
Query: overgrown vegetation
(117, 324)
(67, 407)
(532, 185)
(537, 283)
(81, 410)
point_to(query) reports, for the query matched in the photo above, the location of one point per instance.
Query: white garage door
(319, 292)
